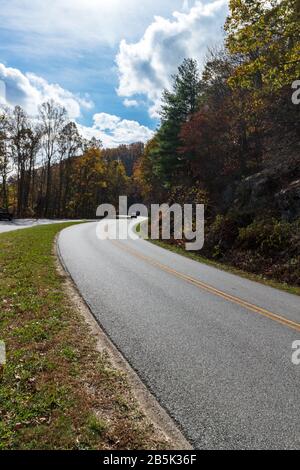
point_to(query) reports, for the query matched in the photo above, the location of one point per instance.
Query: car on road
(5, 214)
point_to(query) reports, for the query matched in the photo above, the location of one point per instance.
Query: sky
(106, 61)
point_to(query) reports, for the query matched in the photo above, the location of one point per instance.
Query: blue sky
(107, 61)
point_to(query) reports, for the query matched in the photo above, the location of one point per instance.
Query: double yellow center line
(202, 285)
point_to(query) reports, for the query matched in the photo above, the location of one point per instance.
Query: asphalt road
(215, 349)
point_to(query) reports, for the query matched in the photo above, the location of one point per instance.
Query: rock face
(288, 201)
(274, 191)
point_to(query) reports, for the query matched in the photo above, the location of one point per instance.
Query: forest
(228, 138)
(49, 170)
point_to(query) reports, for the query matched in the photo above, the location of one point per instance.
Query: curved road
(215, 349)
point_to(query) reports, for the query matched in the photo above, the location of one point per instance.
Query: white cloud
(106, 122)
(56, 27)
(130, 103)
(114, 131)
(145, 67)
(29, 91)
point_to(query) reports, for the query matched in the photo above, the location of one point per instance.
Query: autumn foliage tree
(266, 35)
(235, 146)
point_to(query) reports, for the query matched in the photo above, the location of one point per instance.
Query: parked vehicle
(5, 214)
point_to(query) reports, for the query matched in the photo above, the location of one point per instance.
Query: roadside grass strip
(57, 391)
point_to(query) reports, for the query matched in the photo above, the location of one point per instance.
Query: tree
(266, 35)
(69, 145)
(24, 143)
(117, 182)
(127, 154)
(5, 162)
(53, 118)
(177, 106)
(146, 183)
(264, 38)
(183, 99)
(88, 183)
(217, 71)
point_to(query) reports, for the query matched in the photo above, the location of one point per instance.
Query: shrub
(221, 234)
(268, 237)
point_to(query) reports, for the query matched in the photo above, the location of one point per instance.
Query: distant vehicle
(5, 215)
(136, 215)
(119, 216)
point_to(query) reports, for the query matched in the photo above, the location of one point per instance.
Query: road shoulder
(163, 425)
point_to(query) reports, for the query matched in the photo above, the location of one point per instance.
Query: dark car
(5, 215)
(135, 215)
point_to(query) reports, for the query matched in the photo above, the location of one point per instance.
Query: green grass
(225, 267)
(57, 391)
(96, 425)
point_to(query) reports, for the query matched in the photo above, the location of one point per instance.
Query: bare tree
(24, 142)
(53, 119)
(70, 144)
(5, 162)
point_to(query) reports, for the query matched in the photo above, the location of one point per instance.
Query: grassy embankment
(57, 390)
(224, 266)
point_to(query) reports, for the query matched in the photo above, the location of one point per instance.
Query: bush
(268, 247)
(268, 237)
(221, 235)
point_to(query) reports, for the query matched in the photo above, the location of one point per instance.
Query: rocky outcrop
(274, 191)
(288, 201)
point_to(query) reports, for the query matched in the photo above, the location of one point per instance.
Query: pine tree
(178, 105)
